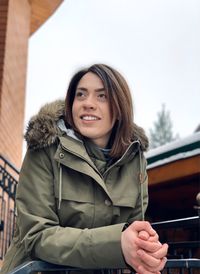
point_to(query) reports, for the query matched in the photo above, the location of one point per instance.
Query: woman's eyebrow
(100, 89)
(97, 90)
(81, 88)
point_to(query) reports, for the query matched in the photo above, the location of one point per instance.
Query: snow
(172, 146)
(173, 158)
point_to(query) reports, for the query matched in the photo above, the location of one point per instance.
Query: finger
(143, 225)
(154, 238)
(160, 267)
(157, 272)
(144, 235)
(162, 252)
(142, 270)
(148, 246)
(148, 259)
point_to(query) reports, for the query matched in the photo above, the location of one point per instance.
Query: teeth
(89, 118)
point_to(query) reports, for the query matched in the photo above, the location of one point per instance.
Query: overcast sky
(155, 44)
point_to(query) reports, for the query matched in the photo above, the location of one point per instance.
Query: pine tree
(162, 131)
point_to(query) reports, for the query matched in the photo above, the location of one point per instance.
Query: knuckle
(155, 264)
(136, 223)
(147, 224)
(157, 237)
(161, 266)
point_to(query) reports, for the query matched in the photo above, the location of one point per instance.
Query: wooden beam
(41, 11)
(175, 170)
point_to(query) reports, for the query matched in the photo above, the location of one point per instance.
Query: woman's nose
(89, 103)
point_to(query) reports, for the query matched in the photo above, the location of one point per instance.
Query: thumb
(143, 235)
(143, 226)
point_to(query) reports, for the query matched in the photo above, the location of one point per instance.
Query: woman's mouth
(89, 118)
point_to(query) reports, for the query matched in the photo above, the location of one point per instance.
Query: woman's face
(91, 110)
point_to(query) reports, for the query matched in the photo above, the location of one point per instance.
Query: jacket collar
(43, 130)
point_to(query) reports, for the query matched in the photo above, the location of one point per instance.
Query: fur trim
(42, 129)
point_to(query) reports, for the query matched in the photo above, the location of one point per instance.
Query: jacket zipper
(119, 160)
(102, 176)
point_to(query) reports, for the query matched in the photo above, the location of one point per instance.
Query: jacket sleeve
(40, 232)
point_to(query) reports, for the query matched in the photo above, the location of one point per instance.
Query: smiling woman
(82, 190)
(111, 93)
(91, 110)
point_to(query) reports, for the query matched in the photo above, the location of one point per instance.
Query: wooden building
(18, 20)
(174, 179)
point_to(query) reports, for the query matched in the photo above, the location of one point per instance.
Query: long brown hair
(120, 102)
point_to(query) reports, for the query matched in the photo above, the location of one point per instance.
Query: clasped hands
(141, 248)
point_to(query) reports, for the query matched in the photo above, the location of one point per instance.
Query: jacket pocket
(124, 207)
(126, 199)
(74, 186)
(77, 200)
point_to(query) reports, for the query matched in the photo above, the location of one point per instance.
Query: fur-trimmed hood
(42, 129)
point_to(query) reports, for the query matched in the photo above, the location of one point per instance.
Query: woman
(83, 183)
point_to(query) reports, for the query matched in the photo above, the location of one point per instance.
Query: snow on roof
(181, 149)
(173, 158)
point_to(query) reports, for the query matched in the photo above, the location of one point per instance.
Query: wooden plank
(175, 170)
(41, 11)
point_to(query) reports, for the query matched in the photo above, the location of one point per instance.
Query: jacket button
(107, 202)
(61, 155)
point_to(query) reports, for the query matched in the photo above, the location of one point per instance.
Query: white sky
(155, 44)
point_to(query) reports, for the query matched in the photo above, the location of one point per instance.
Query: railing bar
(184, 244)
(44, 266)
(7, 182)
(8, 188)
(177, 222)
(4, 218)
(10, 228)
(181, 270)
(2, 232)
(7, 162)
(7, 224)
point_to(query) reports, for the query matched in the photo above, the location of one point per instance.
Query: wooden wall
(14, 34)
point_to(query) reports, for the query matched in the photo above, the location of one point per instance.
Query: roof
(41, 11)
(181, 149)
(175, 161)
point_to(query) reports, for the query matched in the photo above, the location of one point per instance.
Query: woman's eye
(102, 96)
(80, 94)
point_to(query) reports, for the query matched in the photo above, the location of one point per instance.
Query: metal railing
(181, 266)
(178, 265)
(8, 183)
(186, 247)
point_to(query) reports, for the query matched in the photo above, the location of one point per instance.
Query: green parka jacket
(71, 205)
